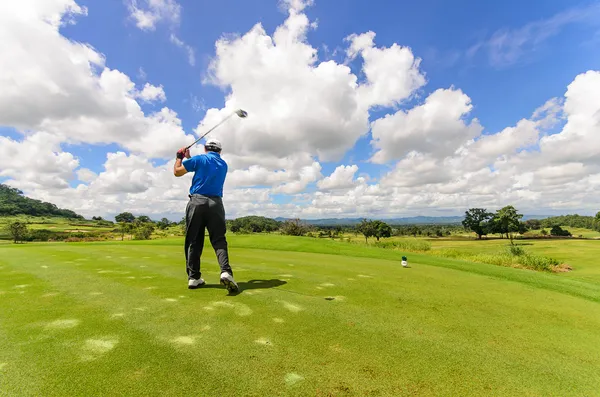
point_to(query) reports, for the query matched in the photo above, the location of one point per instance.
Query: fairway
(314, 318)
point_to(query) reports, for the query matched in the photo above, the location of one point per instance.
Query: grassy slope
(442, 327)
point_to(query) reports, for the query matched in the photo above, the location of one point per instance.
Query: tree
(143, 219)
(126, 217)
(163, 223)
(97, 218)
(294, 227)
(533, 224)
(544, 232)
(381, 229)
(559, 232)
(124, 228)
(367, 229)
(143, 231)
(475, 220)
(508, 221)
(17, 231)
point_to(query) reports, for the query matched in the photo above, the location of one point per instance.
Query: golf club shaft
(206, 133)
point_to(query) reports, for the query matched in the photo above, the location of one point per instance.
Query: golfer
(205, 210)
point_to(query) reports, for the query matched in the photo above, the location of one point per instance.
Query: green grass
(115, 318)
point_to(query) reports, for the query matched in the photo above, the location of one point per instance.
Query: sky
(374, 109)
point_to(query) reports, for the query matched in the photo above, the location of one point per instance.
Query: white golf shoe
(193, 284)
(228, 282)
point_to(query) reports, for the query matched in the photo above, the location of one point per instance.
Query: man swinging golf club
(205, 210)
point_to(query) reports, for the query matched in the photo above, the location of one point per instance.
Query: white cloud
(151, 93)
(301, 111)
(341, 178)
(62, 87)
(86, 175)
(187, 48)
(37, 162)
(437, 127)
(392, 73)
(148, 13)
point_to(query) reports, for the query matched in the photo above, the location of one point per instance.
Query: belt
(201, 195)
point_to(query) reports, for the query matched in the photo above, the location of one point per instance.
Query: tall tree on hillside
(17, 231)
(476, 219)
(508, 221)
(126, 217)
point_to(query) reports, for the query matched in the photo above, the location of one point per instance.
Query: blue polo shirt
(210, 171)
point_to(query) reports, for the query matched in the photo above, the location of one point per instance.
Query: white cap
(213, 144)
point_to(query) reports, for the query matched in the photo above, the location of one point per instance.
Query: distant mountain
(415, 220)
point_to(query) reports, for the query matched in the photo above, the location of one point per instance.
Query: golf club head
(241, 113)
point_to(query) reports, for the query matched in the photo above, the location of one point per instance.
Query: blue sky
(508, 57)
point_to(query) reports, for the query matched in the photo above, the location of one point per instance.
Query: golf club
(241, 113)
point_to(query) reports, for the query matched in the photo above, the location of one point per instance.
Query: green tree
(533, 224)
(143, 219)
(163, 223)
(17, 231)
(124, 228)
(143, 231)
(508, 221)
(294, 227)
(126, 217)
(544, 232)
(476, 219)
(367, 229)
(559, 232)
(381, 229)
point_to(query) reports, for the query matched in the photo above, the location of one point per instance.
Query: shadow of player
(251, 284)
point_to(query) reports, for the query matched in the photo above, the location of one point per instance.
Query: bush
(144, 231)
(515, 250)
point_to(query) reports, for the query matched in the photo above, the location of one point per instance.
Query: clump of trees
(13, 202)
(585, 222)
(377, 229)
(253, 224)
(141, 227)
(506, 221)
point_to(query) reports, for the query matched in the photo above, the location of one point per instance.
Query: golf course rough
(440, 328)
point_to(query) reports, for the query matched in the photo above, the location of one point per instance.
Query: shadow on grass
(251, 284)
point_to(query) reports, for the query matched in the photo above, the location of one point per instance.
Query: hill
(13, 202)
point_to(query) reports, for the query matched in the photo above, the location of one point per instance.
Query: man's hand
(179, 169)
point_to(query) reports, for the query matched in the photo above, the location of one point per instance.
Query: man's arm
(178, 168)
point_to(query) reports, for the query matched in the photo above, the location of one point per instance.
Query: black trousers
(205, 212)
